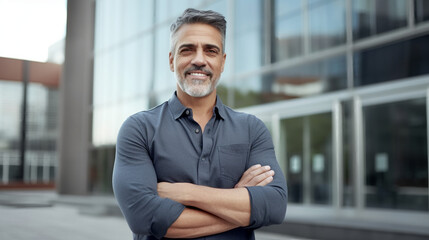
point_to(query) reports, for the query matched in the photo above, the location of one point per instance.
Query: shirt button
(203, 159)
(187, 112)
(197, 130)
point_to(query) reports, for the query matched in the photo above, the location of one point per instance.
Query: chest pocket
(232, 161)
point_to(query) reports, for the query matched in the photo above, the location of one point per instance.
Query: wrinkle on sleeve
(135, 184)
(268, 203)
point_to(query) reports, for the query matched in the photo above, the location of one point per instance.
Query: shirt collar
(178, 110)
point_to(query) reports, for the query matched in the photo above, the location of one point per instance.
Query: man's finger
(266, 181)
(254, 175)
(260, 178)
(254, 172)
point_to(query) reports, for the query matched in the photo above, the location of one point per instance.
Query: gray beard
(196, 89)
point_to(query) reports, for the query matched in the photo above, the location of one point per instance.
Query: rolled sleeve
(135, 185)
(268, 203)
(268, 206)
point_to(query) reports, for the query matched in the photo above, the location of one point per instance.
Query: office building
(28, 123)
(342, 85)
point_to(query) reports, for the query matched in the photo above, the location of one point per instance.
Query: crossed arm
(156, 209)
(213, 210)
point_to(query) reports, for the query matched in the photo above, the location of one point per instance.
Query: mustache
(198, 68)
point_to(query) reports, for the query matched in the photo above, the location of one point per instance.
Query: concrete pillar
(76, 98)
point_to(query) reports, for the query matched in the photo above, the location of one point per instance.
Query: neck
(202, 107)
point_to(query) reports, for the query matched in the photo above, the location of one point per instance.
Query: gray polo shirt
(165, 144)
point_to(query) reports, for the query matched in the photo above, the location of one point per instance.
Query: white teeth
(198, 74)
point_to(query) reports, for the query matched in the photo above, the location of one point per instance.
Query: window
(421, 10)
(396, 155)
(10, 119)
(326, 23)
(248, 35)
(395, 61)
(137, 16)
(289, 29)
(371, 17)
(163, 78)
(301, 81)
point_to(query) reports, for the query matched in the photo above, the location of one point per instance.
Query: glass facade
(421, 10)
(396, 156)
(327, 25)
(375, 17)
(248, 35)
(393, 61)
(307, 149)
(289, 29)
(10, 120)
(342, 86)
(41, 134)
(40, 158)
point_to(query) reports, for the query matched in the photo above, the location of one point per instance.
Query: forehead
(198, 34)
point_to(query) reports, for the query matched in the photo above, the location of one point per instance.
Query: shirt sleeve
(135, 184)
(268, 203)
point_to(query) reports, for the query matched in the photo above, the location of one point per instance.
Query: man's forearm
(232, 205)
(194, 223)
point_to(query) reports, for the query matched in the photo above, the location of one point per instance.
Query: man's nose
(199, 58)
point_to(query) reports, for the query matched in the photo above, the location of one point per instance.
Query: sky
(29, 27)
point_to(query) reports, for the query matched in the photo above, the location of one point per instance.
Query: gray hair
(192, 15)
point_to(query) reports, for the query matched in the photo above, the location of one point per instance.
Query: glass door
(307, 145)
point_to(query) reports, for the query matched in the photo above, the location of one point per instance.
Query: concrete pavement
(43, 215)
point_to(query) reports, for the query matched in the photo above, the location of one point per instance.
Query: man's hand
(231, 205)
(256, 175)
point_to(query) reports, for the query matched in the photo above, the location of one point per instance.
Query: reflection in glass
(136, 65)
(305, 80)
(396, 155)
(374, 17)
(100, 169)
(248, 35)
(137, 16)
(10, 119)
(288, 29)
(327, 24)
(292, 130)
(320, 134)
(41, 133)
(163, 78)
(348, 154)
(421, 10)
(395, 61)
(307, 145)
(162, 10)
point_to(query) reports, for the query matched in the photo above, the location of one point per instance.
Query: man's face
(197, 58)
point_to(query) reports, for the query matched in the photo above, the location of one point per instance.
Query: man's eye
(214, 51)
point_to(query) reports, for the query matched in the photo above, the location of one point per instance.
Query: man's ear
(223, 61)
(171, 61)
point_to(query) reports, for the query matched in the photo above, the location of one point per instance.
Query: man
(192, 167)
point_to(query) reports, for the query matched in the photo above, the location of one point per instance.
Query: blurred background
(343, 86)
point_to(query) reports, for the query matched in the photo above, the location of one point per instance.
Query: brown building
(28, 123)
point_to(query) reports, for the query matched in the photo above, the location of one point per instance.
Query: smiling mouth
(198, 74)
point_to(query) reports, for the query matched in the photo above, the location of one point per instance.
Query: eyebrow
(190, 45)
